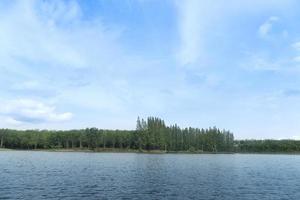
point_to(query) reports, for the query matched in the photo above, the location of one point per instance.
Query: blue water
(54, 175)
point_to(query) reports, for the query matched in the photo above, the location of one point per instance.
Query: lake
(68, 175)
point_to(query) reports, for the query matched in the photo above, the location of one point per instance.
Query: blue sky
(76, 64)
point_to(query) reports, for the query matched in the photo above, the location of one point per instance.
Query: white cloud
(31, 111)
(296, 46)
(199, 23)
(266, 27)
(50, 34)
(190, 32)
(26, 85)
(48, 50)
(11, 121)
(295, 137)
(261, 62)
(297, 59)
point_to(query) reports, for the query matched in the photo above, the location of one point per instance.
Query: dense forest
(150, 134)
(267, 146)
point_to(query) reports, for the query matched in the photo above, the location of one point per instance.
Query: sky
(226, 63)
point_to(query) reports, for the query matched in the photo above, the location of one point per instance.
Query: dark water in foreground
(50, 175)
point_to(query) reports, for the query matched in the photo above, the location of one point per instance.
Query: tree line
(270, 146)
(150, 134)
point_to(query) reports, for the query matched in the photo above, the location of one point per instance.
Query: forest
(151, 134)
(267, 146)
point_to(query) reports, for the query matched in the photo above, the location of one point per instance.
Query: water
(54, 175)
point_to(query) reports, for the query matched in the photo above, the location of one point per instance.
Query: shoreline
(144, 152)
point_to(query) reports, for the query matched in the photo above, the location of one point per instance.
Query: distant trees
(259, 146)
(2, 136)
(150, 134)
(155, 135)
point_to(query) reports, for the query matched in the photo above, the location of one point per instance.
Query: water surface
(57, 175)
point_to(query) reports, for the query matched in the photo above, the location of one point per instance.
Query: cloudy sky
(75, 64)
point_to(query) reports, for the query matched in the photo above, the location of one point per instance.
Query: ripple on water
(50, 175)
